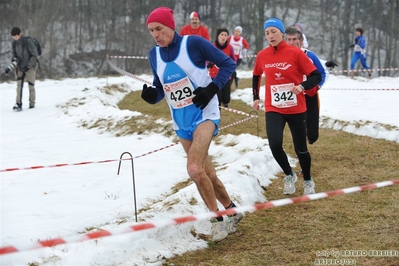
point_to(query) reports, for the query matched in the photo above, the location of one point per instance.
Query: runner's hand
(203, 95)
(149, 94)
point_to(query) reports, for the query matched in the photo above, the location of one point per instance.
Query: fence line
(357, 89)
(117, 160)
(252, 56)
(190, 218)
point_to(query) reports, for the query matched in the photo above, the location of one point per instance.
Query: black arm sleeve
(312, 80)
(255, 87)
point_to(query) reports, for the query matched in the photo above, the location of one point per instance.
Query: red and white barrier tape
(251, 56)
(236, 123)
(123, 72)
(113, 160)
(237, 112)
(190, 218)
(55, 165)
(83, 163)
(357, 89)
(363, 70)
(146, 57)
(128, 56)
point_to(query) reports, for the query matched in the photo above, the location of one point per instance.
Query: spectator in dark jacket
(24, 56)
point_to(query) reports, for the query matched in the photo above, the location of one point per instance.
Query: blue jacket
(316, 62)
(361, 41)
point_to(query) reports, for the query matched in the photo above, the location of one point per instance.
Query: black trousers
(275, 124)
(234, 76)
(224, 94)
(313, 114)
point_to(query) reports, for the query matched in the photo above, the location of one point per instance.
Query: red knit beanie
(163, 15)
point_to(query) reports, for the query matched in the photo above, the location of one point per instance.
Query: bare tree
(76, 35)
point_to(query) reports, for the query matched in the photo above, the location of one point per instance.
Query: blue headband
(274, 22)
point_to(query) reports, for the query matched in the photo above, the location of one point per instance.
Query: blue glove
(203, 95)
(149, 94)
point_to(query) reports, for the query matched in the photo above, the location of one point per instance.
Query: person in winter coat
(284, 67)
(222, 44)
(359, 48)
(24, 56)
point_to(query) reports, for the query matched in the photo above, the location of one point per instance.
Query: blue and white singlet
(179, 79)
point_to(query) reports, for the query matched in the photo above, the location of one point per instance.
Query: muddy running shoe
(308, 187)
(218, 229)
(289, 185)
(232, 222)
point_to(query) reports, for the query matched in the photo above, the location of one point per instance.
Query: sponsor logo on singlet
(278, 76)
(281, 66)
(173, 76)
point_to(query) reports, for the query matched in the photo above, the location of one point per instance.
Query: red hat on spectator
(195, 14)
(163, 15)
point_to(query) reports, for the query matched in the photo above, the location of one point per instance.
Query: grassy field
(301, 234)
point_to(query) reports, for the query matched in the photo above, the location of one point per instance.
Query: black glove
(149, 94)
(352, 46)
(26, 69)
(331, 64)
(210, 64)
(7, 70)
(204, 95)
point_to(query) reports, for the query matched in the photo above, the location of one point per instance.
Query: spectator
(24, 55)
(240, 46)
(178, 65)
(305, 43)
(222, 44)
(195, 27)
(284, 67)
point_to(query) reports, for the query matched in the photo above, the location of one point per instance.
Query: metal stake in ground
(134, 185)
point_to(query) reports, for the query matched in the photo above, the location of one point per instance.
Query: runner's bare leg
(220, 190)
(198, 164)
